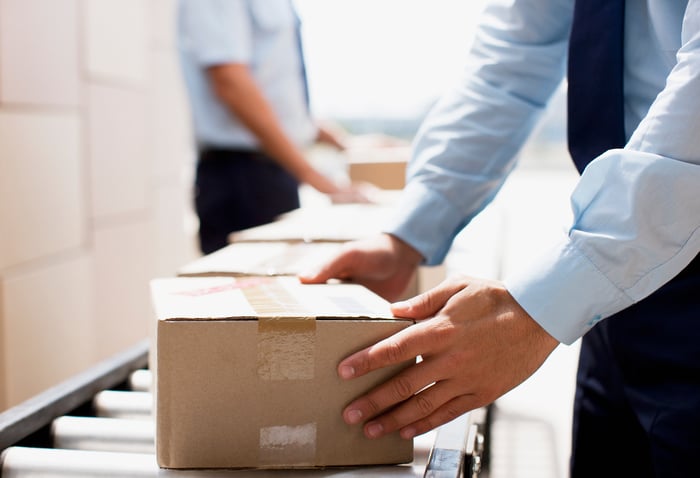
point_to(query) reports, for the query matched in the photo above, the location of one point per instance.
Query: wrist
(319, 182)
(406, 253)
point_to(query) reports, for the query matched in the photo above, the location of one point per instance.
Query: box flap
(261, 258)
(226, 298)
(334, 223)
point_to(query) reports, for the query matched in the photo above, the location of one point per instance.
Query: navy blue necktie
(595, 97)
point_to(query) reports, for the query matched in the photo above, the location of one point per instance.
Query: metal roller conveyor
(458, 445)
(100, 424)
(104, 434)
(123, 404)
(141, 380)
(438, 455)
(27, 462)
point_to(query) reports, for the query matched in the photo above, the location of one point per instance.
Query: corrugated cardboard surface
(246, 373)
(269, 258)
(315, 227)
(335, 222)
(260, 258)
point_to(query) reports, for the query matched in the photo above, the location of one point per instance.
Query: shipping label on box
(245, 373)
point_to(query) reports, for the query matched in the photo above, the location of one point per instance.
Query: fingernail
(402, 303)
(306, 274)
(408, 433)
(353, 416)
(403, 307)
(374, 430)
(346, 371)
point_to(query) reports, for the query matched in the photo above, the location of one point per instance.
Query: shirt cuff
(427, 221)
(565, 293)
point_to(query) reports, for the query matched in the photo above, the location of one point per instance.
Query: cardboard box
(385, 167)
(336, 223)
(288, 259)
(245, 373)
(280, 258)
(261, 258)
(332, 223)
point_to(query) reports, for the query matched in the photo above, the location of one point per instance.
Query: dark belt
(232, 154)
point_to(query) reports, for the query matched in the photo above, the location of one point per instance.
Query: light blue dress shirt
(636, 211)
(259, 33)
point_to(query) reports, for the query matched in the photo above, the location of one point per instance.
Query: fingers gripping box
(245, 373)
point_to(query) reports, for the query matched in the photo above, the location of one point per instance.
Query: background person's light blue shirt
(258, 33)
(636, 211)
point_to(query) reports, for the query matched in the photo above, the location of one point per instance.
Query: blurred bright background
(384, 58)
(379, 65)
(96, 164)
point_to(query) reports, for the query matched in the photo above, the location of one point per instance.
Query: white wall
(95, 168)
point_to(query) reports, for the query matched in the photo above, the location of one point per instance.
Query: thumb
(429, 303)
(321, 273)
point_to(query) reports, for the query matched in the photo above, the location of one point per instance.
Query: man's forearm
(237, 89)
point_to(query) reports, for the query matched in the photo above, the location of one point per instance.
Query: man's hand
(333, 136)
(476, 344)
(383, 264)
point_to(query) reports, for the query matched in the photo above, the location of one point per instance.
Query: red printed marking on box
(238, 284)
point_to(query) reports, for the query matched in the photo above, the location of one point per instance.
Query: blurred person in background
(244, 72)
(624, 277)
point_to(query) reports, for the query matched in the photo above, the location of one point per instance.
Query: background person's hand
(383, 264)
(476, 344)
(332, 135)
(356, 192)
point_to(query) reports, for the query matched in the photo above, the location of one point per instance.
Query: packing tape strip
(270, 298)
(285, 445)
(286, 351)
(286, 346)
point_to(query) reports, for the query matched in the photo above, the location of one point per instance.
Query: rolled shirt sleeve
(468, 143)
(636, 211)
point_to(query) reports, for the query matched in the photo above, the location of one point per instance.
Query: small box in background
(245, 373)
(331, 223)
(385, 167)
(378, 159)
(317, 225)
